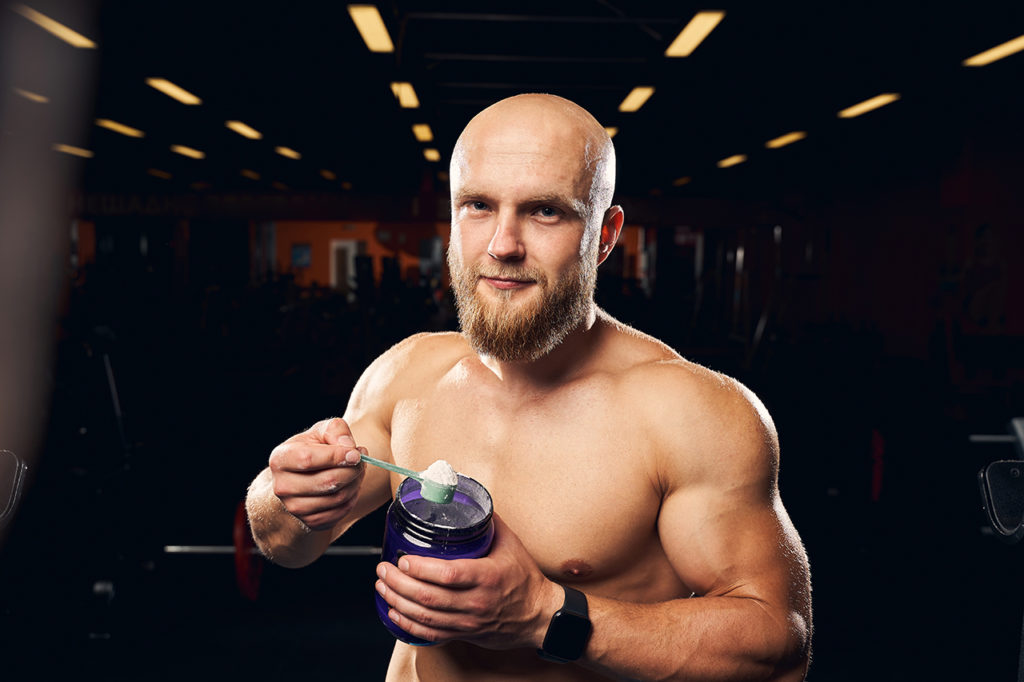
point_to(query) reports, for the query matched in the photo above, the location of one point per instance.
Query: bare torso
(571, 469)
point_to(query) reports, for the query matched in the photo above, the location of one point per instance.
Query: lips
(505, 283)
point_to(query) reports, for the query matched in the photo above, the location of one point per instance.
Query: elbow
(791, 649)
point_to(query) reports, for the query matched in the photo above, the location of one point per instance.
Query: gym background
(179, 293)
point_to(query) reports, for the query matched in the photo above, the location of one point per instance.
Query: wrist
(551, 600)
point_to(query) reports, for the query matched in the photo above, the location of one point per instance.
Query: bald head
(544, 121)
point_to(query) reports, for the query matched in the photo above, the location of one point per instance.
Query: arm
(726, 534)
(315, 487)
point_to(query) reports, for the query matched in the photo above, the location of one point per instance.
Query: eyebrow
(576, 206)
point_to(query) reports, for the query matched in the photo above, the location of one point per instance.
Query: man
(618, 469)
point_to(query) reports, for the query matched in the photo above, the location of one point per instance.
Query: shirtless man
(617, 468)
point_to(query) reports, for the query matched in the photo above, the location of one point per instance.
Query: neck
(563, 362)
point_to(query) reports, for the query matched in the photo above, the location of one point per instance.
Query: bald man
(639, 529)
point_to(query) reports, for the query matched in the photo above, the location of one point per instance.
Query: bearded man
(633, 490)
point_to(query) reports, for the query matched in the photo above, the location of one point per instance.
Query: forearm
(708, 638)
(281, 537)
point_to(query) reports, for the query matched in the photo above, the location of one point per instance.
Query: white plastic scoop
(431, 490)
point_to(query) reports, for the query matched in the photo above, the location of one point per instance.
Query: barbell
(249, 562)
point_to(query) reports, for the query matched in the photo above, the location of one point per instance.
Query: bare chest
(570, 477)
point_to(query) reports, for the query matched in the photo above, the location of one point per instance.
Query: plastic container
(461, 529)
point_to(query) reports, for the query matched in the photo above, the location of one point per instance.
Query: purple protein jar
(461, 529)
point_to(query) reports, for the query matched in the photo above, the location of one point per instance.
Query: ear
(611, 226)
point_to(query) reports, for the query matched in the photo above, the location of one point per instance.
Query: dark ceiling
(300, 73)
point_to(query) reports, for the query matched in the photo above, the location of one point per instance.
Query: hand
(316, 473)
(501, 601)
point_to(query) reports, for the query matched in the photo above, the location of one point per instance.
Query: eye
(476, 205)
(548, 212)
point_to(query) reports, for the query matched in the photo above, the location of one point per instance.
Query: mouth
(506, 284)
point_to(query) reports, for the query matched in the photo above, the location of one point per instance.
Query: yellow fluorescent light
(328, 175)
(371, 27)
(635, 99)
(287, 151)
(346, 185)
(174, 91)
(732, 160)
(431, 154)
(996, 53)
(58, 29)
(119, 127)
(869, 104)
(679, 182)
(783, 140)
(157, 173)
(405, 94)
(187, 151)
(422, 132)
(244, 130)
(251, 174)
(39, 99)
(611, 130)
(695, 32)
(74, 151)
(279, 185)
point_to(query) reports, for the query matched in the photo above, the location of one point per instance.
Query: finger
(445, 624)
(303, 507)
(323, 482)
(424, 594)
(336, 431)
(419, 630)
(451, 573)
(307, 457)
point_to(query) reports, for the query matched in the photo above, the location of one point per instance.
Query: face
(522, 257)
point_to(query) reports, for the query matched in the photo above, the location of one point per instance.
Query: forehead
(535, 155)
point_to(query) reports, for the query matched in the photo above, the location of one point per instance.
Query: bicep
(734, 541)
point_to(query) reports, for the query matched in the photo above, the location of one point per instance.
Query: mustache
(509, 272)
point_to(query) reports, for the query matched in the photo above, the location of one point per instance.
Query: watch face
(567, 636)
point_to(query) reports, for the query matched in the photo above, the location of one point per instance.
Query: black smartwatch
(569, 630)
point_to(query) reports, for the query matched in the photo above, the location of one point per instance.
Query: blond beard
(525, 331)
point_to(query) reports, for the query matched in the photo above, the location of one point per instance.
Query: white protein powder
(441, 473)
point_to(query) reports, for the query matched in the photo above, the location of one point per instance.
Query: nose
(506, 244)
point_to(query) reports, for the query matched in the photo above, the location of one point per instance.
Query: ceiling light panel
(423, 132)
(783, 140)
(405, 95)
(431, 154)
(244, 130)
(119, 128)
(74, 151)
(702, 24)
(173, 91)
(996, 53)
(288, 152)
(869, 105)
(371, 27)
(187, 151)
(636, 98)
(733, 160)
(69, 36)
(32, 96)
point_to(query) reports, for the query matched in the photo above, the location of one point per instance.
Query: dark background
(882, 329)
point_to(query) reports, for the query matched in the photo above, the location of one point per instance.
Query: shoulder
(409, 363)
(700, 424)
